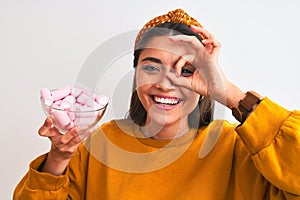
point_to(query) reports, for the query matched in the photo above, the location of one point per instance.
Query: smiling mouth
(166, 100)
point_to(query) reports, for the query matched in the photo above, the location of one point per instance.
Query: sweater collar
(187, 138)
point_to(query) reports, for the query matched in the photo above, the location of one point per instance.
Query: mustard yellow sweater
(257, 160)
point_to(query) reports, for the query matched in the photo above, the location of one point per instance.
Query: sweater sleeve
(37, 185)
(272, 136)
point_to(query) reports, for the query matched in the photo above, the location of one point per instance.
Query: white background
(45, 43)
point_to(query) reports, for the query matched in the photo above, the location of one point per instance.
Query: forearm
(233, 95)
(54, 166)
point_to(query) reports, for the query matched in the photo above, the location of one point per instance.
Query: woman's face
(168, 99)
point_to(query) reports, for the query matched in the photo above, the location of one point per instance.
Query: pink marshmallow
(67, 102)
(85, 114)
(46, 96)
(97, 106)
(76, 91)
(84, 89)
(82, 98)
(61, 117)
(71, 125)
(56, 105)
(102, 100)
(90, 102)
(71, 115)
(61, 93)
(85, 122)
(77, 107)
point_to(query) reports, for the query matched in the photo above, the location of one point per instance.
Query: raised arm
(52, 176)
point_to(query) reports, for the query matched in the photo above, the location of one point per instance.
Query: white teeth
(162, 100)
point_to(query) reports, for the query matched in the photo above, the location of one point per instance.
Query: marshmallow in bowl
(46, 96)
(61, 117)
(61, 93)
(73, 106)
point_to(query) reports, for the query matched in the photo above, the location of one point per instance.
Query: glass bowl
(78, 115)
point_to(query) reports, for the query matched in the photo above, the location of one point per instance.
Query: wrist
(234, 95)
(246, 106)
(55, 166)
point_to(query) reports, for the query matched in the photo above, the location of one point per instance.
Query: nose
(167, 80)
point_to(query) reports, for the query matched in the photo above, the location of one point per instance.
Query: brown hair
(203, 113)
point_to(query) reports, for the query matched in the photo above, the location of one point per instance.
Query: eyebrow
(152, 59)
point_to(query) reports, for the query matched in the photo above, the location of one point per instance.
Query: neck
(165, 131)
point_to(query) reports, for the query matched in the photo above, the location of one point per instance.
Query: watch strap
(246, 106)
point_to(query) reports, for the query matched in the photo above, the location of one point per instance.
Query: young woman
(169, 147)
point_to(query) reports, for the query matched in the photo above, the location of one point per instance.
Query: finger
(48, 122)
(192, 40)
(46, 126)
(84, 134)
(67, 141)
(48, 130)
(66, 138)
(78, 137)
(202, 31)
(199, 84)
(178, 66)
(212, 42)
(212, 45)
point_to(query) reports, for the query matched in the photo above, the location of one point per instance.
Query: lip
(165, 107)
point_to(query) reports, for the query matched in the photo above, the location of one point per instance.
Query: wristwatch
(246, 106)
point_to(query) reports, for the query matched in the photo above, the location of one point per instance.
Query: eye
(151, 69)
(186, 72)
